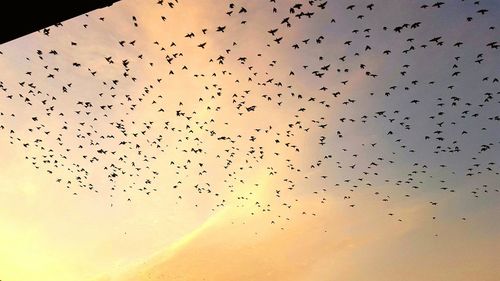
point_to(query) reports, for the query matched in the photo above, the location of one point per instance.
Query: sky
(346, 150)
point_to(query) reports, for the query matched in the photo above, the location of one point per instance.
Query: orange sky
(50, 232)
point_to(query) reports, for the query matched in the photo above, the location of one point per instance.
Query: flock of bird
(365, 101)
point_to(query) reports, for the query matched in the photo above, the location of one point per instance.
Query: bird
(377, 104)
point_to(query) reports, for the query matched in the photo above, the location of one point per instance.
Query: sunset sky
(129, 152)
